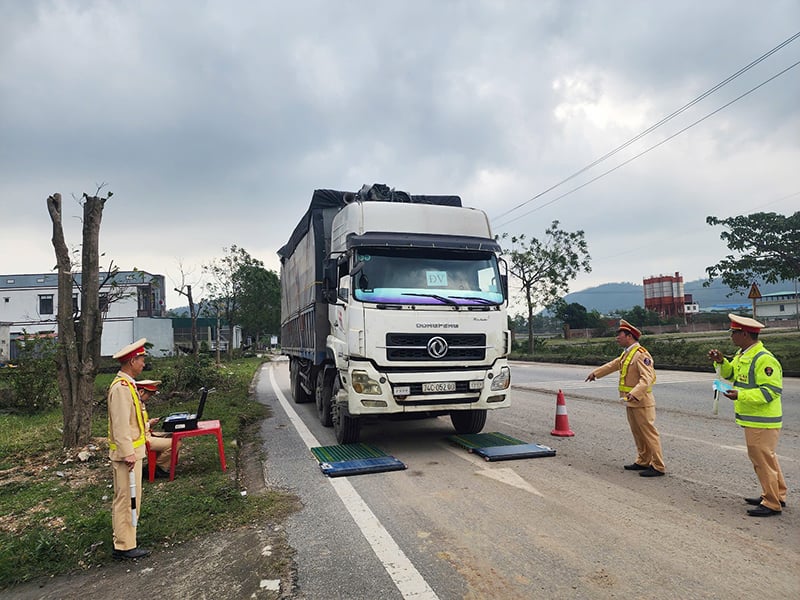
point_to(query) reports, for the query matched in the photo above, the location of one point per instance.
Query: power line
(661, 143)
(655, 126)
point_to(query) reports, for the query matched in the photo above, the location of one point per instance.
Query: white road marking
(502, 474)
(610, 381)
(722, 446)
(467, 456)
(408, 580)
(510, 477)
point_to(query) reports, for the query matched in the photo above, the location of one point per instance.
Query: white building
(132, 303)
(780, 305)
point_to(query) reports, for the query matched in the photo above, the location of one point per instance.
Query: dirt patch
(248, 562)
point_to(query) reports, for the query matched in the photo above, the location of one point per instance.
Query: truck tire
(299, 395)
(322, 395)
(468, 421)
(347, 428)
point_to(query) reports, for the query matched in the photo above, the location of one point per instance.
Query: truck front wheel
(468, 421)
(347, 428)
(322, 394)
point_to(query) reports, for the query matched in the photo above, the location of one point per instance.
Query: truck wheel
(322, 395)
(299, 395)
(347, 428)
(468, 421)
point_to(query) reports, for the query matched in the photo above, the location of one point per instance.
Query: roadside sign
(755, 293)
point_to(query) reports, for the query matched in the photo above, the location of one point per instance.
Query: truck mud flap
(354, 459)
(498, 446)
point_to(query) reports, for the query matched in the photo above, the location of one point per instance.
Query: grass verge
(55, 504)
(670, 351)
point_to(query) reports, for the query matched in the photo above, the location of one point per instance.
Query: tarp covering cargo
(333, 199)
(302, 262)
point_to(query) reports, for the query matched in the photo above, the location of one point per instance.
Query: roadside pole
(754, 295)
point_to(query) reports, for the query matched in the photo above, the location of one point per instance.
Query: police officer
(636, 378)
(160, 444)
(757, 380)
(126, 441)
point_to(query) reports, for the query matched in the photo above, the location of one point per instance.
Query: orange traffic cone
(562, 420)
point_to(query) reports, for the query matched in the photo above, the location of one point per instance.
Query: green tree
(764, 245)
(260, 301)
(33, 382)
(575, 315)
(545, 268)
(232, 281)
(638, 316)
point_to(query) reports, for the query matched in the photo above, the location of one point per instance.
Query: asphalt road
(571, 526)
(453, 526)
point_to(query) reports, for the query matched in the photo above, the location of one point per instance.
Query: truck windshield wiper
(480, 300)
(436, 296)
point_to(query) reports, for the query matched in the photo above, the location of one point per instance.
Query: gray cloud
(213, 122)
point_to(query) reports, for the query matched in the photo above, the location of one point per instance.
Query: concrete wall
(118, 333)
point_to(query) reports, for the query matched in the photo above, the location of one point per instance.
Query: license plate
(439, 386)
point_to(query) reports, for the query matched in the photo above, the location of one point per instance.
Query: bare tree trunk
(192, 312)
(530, 327)
(193, 316)
(78, 352)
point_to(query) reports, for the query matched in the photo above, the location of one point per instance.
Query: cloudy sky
(212, 122)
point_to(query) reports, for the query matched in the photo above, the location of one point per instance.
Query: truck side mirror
(504, 278)
(330, 280)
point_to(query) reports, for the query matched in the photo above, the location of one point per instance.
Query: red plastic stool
(203, 428)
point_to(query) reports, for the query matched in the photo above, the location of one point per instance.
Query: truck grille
(414, 346)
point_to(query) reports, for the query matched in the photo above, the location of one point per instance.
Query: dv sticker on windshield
(437, 279)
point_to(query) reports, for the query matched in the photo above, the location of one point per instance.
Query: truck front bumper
(370, 391)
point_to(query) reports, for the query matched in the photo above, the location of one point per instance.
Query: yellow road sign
(755, 293)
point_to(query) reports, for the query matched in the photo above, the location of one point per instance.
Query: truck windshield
(436, 277)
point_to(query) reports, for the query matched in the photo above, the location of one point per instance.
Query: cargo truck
(394, 305)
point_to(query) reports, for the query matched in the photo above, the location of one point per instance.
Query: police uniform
(126, 436)
(636, 379)
(159, 444)
(757, 377)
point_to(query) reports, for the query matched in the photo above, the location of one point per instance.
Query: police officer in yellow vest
(126, 437)
(636, 378)
(757, 380)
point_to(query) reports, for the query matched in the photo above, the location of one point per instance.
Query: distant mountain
(609, 297)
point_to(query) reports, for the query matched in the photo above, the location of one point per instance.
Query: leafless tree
(185, 289)
(78, 353)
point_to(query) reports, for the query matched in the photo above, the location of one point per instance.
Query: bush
(190, 373)
(33, 387)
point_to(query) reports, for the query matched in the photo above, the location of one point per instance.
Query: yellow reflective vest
(625, 362)
(140, 440)
(758, 378)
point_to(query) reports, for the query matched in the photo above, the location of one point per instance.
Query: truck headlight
(502, 381)
(362, 384)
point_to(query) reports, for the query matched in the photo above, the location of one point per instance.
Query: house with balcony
(132, 304)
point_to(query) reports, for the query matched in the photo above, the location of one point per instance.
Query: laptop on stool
(185, 421)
